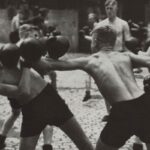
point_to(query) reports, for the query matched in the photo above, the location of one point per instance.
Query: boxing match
(35, 51)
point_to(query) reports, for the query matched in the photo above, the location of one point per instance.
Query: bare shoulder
(102, 23)
(123, 56)
(132, 56)
(122, 21)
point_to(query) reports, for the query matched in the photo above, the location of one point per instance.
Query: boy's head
(110, 3)
(92, 17)
(9, 55)
(104, 36)
(27, 30)
(111, 7)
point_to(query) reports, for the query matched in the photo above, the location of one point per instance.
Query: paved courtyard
(71, 87)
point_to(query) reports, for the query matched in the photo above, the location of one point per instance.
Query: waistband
(139, 99)
(45, 89)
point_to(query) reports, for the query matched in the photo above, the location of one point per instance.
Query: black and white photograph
(74, 74)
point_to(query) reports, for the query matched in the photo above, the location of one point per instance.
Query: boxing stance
(25, 31)
(113, 74)
(41, 104)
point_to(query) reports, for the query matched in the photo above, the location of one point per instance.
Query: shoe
(87, 96)
(47, 147)
(105, 118)
(137, 146)
(2, 142)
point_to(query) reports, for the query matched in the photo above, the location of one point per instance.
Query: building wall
(147, 12)
(66, 21)
(147, 17)
(4, 26)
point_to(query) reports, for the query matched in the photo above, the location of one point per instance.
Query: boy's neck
(112, 19)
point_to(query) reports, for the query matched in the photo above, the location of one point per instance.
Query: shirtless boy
(113, 74)
(41, 104)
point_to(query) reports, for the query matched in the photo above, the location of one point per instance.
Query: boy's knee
(27, 144)
(103, 146)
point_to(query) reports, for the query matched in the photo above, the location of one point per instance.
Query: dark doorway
(134, 10)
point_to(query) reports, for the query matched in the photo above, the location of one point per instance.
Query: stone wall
(147, 12)
(65, 21)
(4, 26)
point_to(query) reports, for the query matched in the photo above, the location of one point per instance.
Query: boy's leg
(108, 107)
(137, 145)
(47, 136)
(101, 146)
(7, 125)
(53, 77)
(2, 141)
(88, 89)
(10, 121)
(117, 130)
(28, 143)
(75, 132)
(148, 146)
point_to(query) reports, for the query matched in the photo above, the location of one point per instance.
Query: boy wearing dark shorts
(41, 105)
(25, 31)
(47, 108)
(126, 119)
(113, 74)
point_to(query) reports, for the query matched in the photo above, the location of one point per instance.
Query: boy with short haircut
(41, 104)
(113, 74)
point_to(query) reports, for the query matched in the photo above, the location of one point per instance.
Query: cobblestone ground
(71, 87)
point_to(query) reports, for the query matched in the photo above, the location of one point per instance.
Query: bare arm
(126, 30)
(140, 60)
(14, 24)
(8, 90)
(89, 38)
(21, 90)
(47, 64)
